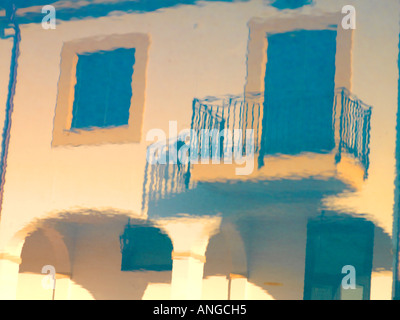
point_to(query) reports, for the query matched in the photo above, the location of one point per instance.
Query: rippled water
(199, 149)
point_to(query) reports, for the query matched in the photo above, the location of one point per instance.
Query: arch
(59, 250)
(12, 256)
(85, 246)
(230, 240)
(153, 254)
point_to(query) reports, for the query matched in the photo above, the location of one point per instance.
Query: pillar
(189, 236)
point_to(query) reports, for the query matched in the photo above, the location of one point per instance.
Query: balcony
(162, 180)
(343, 148)
(228, 113)
(346, 159)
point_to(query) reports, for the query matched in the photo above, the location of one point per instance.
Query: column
(238, 287)
(9, 270)
(190, 236)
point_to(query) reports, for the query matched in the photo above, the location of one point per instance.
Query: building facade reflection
(79, 192)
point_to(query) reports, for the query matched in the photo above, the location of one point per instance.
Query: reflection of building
(79, 193)
(300, 119)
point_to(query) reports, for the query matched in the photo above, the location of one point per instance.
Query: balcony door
(299, 92)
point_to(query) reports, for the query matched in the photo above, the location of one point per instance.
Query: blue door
(299, 92)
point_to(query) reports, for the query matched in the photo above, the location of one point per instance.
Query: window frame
(257, 58)
(131, 133)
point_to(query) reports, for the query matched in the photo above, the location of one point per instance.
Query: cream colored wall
(187, 59)
(375, 81)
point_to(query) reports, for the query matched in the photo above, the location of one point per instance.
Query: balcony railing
(236, 112)
(162, 180)
(246, 113)
(228, 113)
(355, 126)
